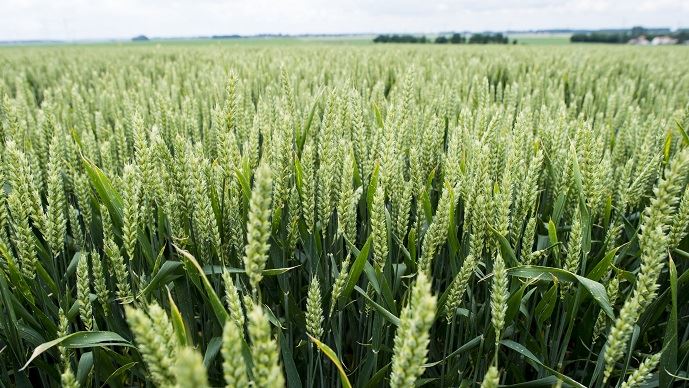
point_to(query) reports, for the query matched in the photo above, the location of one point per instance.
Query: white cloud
(84, 19)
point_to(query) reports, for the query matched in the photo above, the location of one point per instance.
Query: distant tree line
(444, 39)
(453, 39)
(226, 36)
(400, 39)
(601, 37)
(488, 38)
(626, 36)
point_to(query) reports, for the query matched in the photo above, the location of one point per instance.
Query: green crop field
(180, 214)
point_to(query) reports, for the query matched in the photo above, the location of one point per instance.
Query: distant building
(140, 38)
(640, 41)
(663, 40)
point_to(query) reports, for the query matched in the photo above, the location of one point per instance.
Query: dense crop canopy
(323, 215)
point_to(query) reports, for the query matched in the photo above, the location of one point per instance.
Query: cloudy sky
(97, 19)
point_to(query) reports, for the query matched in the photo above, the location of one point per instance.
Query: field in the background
(337, 213)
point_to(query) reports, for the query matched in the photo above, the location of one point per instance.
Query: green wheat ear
(498, 296)
(338, 285)
(131, 209)
(412, 336)
(234, 367)
(458, 287)
(437, 231)
(234, 303)
(189, 369)
(379, 229)
(258, 226)
(314, 310)
(84, 291)
(680, 224)
(68, 379)
(643, 374)
(100, 283)
(155, 340)
(491, 379)
(264, 351)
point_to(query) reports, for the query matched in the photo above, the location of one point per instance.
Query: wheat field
(316, 215)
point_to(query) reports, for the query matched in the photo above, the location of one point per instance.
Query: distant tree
(457, 39)
(681, 35)
(140, 38)
(441, 40)
(637, 31)
(577, 38)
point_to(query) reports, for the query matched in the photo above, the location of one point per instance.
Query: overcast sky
(97, 19)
